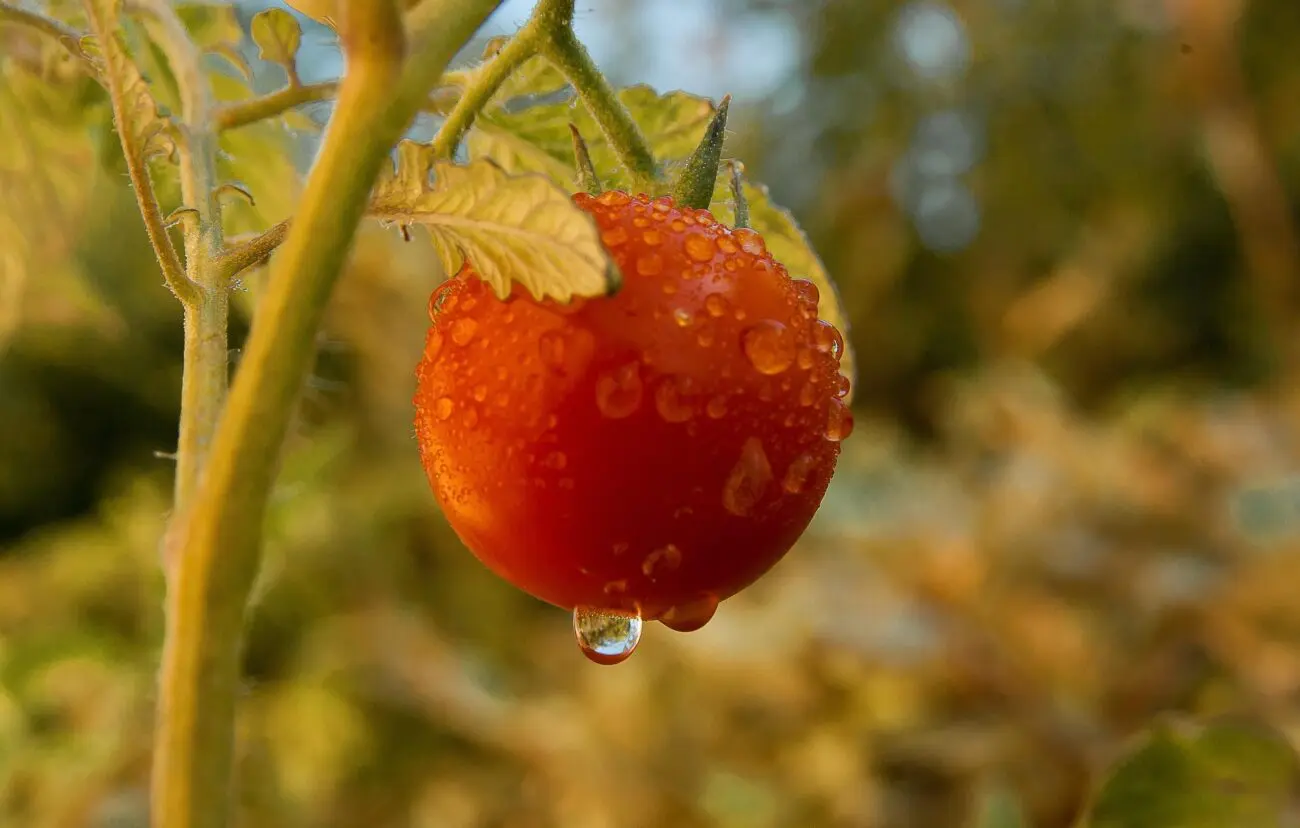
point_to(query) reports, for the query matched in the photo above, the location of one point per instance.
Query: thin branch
(137, 168)
(242, 113)
(67, 37)
(482, 84)
(203, 384)
(563, 49)
(221, 534)
(241, 257)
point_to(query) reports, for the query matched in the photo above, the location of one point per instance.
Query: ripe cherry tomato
(652, 452)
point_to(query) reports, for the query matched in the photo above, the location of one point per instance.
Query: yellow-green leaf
(146, 133)
(278, 36)
(1221, 775)
(512, 228)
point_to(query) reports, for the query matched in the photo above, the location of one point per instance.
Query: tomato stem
(220, 533)
(563, 49)
(741, 204)
(481, 85)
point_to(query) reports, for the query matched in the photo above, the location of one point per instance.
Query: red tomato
(652, 452)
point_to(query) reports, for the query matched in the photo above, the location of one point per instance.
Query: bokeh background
(1066, 234)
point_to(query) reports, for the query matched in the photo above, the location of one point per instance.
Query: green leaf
(534, 77)
(278, 36)
(1220, 775)
(537, 139)
(512, 228)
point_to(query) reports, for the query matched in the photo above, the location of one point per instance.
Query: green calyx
(694, 185)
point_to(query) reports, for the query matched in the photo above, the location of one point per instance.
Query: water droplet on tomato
(669, 287)
(649, 265)
(716, 305)
(652, 237)
(463, 330)
(555, 460)
(618, 393)
(682, 317)
(805, 358)
(665, 558)
(432, 345)
(807, 292)
(748, 479)
(662, 204)
(828, 339)
(550, 346)
(769, 345)
(614, 236)
(480, 393)
(726, 245)
(604, 636)
(705, 338)
(700, 248)
(797, 475)
(841, 386)
(691, 616)
(670, 404)
(613, 198)
(471, 417)
(717, 407)
(442, 408)
(807, 394)
(839, 422)
(678, 225)
(750, 241)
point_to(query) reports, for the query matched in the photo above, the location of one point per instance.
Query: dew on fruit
(807, 394)
(839, 422)
(662, 204)
(682, 317)
(432, 345)
(669, 402)
(669, 288)
(705, 338)
(480, 393)
(750, 241)
(769, 346)
(649, 265)
(614, 237)
(716, 305)
(678, 225)
(748, 479)
(700, 248)
(463, 330)
(555, 460)
(613, 588)
(442, 408)
(652, 237)
(726, 245)
(807, 292)
(828, 339)
(550, 347)
(613, 198)
(796, 476)
(716, 407)
(604, 636)
(618, 393)
(665, 558)
(690, 616)
(841, 386)
(805, 359)
(471, 417)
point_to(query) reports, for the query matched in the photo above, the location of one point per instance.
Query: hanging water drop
(769, 345)
(748, 479)
(690, 616)
(700, 248)
(839, 422)
(605, 636)
(463, 331)
(618, 393)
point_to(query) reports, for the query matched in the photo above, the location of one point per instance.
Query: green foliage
(1220, 775)
(278, 37)
(497, 221)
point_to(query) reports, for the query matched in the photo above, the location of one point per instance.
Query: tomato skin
(660, 448)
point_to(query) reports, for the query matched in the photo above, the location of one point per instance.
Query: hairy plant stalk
(220, 539)
(481, 85)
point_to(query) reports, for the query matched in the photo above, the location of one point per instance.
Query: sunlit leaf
(513, 228)
(148, 133)
(278, 36)
(1222, 775)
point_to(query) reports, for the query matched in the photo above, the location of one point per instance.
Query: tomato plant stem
(481, 85)
(118, 75)
(220, 537)
(562, 48)
(241, 113)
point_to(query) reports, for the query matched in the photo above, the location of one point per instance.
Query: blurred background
(1066, 234)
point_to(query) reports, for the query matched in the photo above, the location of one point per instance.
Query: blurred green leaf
(1221, 775)
(278, 36)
